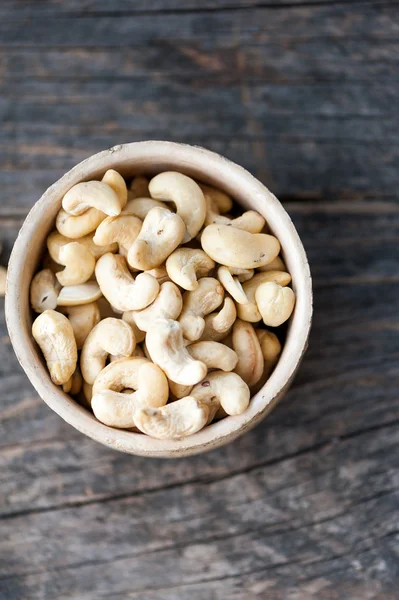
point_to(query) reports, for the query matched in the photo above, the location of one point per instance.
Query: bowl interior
(151, 158)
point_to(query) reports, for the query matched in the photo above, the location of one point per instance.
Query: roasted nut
(275, 303)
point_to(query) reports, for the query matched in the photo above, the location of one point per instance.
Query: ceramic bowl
(150, 158)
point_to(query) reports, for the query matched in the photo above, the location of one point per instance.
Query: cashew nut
(77, 227)
(167, 305)
(110, 336)
(120, 288)
(116, 409)
(214, 355)
(118, 184)
(250, 220)
(56, 241)
(166, 347)
(74, 385)
(3, 279)
(54, 335)
(44, 291)
(171, 186)
(198, 303)
(79, 264)
(249, 311)
(140, 207)
(179, 391)
(122, 230)
(221, 200)
(176, 420)
(91, 194)
(276, 265)
(83, 319)
(222, 389)
(186, 265)
(160, 274)
(85, 293)
(232, 285)
(138, 187)
(275, 303)
(247, 347)
(242, 274)
(270, 346)
(234, 247)
(128, 316)
(161, 233)
(219, 324)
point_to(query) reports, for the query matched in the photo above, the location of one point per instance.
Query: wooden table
(305, 95)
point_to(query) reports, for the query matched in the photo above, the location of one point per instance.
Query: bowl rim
(188, 158)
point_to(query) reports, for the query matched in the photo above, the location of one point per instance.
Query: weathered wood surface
(307, 504)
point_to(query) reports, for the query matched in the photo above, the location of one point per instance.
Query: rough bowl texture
(152, 157)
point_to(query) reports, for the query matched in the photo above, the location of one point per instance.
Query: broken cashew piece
(44, 291)
(110, 336)
(234, 247)
(173, 421)
(232, 285)
(214, 355)
(116, 409)
(219, 324)
(54, 335)
(119, 287)
(122, 230)
(79, 264)
(275, 303)
(77, 227)
(171, 186)
(72, 295)
(167, 305)
(198, 303)
(83, 319)
(161, 233)
(118, 184)
(164, 342)
(139, 187)
(247, 347)
(91, 194)
(186, 265)
(140, 207)
(249, 311)
(222, 389)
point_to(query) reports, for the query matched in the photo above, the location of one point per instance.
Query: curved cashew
(77, 227)
(249, 311)
(73, 295)
(120, 288)
(276, 265)
(3, 279)
(139, 187)
(79, 264)
(275, 303)
(167, 305)
(122, 230)
(214, 355)
(110, 336)
(74, 385)
(118, 184)
(219, 324)
(171, 186)
(221, 200)
(250, 220)
(140, 207)
(165, 345)
(270, 346)
(161, 233)
(136, 352)
(117, 409)
(176, 420)
(232, 285)
(234, 247)
(128, 317)
(223, 389)
(242, 274)
(198, 303)
(186, 265)
(160, 273)
(91, 194)
(54, 335)
(179, 391)
(44, 291)
(56, 241)
(247, 347)
(83, 319)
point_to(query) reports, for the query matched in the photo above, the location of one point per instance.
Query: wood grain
(305, 96)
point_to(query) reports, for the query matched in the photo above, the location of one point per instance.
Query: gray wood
(307, 504)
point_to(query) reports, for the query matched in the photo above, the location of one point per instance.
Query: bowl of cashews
(159, 299)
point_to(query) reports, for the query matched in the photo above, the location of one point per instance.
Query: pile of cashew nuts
(151, 301)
